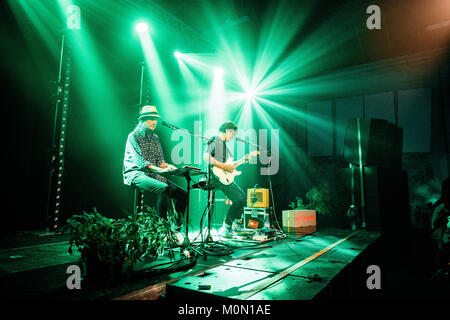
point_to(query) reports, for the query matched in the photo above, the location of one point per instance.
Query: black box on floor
(256, 218)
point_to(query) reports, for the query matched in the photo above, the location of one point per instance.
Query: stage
(329, 263)
(301, 268)
(329, 260)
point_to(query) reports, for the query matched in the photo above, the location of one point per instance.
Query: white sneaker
(225, 231)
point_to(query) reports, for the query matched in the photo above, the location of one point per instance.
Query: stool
(138, 200)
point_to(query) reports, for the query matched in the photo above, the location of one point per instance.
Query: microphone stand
(269, 154)
(188, 180)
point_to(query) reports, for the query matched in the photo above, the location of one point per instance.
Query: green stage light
(141, 27)
(218, 72)
(250, 94)
(177, 54)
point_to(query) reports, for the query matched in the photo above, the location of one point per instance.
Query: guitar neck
(242, 160)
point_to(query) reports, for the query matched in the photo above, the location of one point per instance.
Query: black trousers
(165, 192)
(236, 195)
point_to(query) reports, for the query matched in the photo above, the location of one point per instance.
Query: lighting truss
(59, 139)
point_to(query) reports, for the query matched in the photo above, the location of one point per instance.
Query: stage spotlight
(250, 94)
(177, 54)
(218, 72)
(141, 27)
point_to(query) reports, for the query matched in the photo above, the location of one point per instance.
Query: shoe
(226, 232)
(237, 225)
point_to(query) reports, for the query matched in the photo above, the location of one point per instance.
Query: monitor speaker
(386, 198)
(381, 143)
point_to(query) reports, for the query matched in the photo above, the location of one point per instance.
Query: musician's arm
(216, 163)
(157, 169)
(161, 163)
(133, 154)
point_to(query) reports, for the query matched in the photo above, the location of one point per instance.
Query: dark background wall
(398, 73)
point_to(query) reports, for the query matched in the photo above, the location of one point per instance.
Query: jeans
(236, 195)
(165, 192)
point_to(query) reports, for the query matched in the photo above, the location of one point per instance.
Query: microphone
(211, 141)
(254, 198)
(244, 141)
(168, 125)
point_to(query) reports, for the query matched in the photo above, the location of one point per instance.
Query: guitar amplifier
(257, 198)
(256, 218)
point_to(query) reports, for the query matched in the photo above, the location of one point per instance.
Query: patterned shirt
(142, 149)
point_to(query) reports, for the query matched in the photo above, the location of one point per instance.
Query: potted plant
(305, 214)
(106, 244)
(320, 199)
(299, 204)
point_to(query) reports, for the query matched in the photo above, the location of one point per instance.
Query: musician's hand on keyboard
(158, 169)
(163, 165)
(171, 167)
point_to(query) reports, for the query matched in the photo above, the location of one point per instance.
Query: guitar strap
(226, 152)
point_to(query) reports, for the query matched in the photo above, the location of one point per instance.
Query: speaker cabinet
(386, 198)
(381, 143)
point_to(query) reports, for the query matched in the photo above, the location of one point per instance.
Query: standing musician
(144, 159)
(216, 154)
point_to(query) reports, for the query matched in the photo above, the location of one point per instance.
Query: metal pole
(142, 82)
(361, 176)
(53, 154)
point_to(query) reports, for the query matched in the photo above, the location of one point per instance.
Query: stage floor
(328, 263)
(300, 268)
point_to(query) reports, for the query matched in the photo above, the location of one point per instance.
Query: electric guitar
(227, 177)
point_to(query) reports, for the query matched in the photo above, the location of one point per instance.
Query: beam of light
(217, 103)
(312, 54)
(159, 79)
(197, 93)
(244, 118)
(218, 72)
(141, 27)
(201, 62)
(291, 154)
(251, 94)
(178, 55)
(42, 19)
(275, 36)
(97, 88)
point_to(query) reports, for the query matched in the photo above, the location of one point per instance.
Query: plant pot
(101, 273)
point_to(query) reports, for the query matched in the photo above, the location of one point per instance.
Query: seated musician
(144, 160)
(217, 153)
